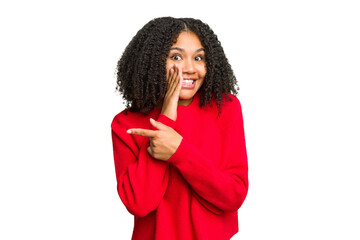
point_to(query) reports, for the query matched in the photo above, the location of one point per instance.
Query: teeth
(188, 81)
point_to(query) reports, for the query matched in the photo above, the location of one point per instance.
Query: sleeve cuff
(167, 121)
(175, 159)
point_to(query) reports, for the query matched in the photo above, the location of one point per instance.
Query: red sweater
(194, 195)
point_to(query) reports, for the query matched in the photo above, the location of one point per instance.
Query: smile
(188, 83)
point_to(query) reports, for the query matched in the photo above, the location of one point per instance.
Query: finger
(169, 76)
(180, 79)
(174, 73)
(175, 81)
(158, 125)
(151, 143)
(142, 132)
(177, 87)
(171, 81)
(149, 151)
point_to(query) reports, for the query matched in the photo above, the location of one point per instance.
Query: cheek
(168, 67)
(169, 64)
(202, 71)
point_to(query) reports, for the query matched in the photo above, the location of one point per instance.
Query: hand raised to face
(171, 99)
(163, 142)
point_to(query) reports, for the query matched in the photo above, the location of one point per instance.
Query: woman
(181, 163)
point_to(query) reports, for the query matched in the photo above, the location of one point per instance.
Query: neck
(181, 102)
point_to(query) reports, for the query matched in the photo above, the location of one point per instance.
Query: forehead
(188, 40)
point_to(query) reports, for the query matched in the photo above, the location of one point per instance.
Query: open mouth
(187, 83)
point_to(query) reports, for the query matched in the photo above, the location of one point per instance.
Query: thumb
(158, 125)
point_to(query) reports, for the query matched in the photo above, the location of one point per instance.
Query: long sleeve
(141, 179)
(218, 189)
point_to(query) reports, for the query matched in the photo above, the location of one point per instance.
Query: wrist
(172, 116)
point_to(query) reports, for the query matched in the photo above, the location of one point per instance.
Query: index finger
(142, 132)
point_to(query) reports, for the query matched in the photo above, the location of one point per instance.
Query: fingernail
(152, 120)
(128, 131)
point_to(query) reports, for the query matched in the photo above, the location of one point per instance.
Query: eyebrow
(182, 50)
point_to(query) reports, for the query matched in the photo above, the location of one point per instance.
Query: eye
(199, 58)
(175, 57)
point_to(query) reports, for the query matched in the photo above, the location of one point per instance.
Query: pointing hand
(163, 142)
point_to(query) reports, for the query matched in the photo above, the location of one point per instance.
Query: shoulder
(234, 99)
(126, 119)
(232, 104)
(230, 109)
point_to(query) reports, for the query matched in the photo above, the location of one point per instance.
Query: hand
(171, 99)
(163, 142)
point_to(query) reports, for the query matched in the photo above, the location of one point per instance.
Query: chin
(186, 94)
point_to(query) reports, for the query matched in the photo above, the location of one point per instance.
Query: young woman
(181, 162)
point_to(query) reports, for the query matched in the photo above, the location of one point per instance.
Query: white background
(297, 63)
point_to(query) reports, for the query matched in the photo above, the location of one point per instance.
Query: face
(189, 55)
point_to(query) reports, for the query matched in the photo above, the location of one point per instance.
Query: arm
(141, 180)
(218, 189)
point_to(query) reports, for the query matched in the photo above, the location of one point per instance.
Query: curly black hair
(141, 70)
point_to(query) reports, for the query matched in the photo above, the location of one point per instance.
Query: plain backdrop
(297, 64)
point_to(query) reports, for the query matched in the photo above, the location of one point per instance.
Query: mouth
(188, 82)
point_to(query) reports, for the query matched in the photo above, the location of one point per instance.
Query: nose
(188, 66)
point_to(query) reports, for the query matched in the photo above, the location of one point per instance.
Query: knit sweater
(194, 195)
